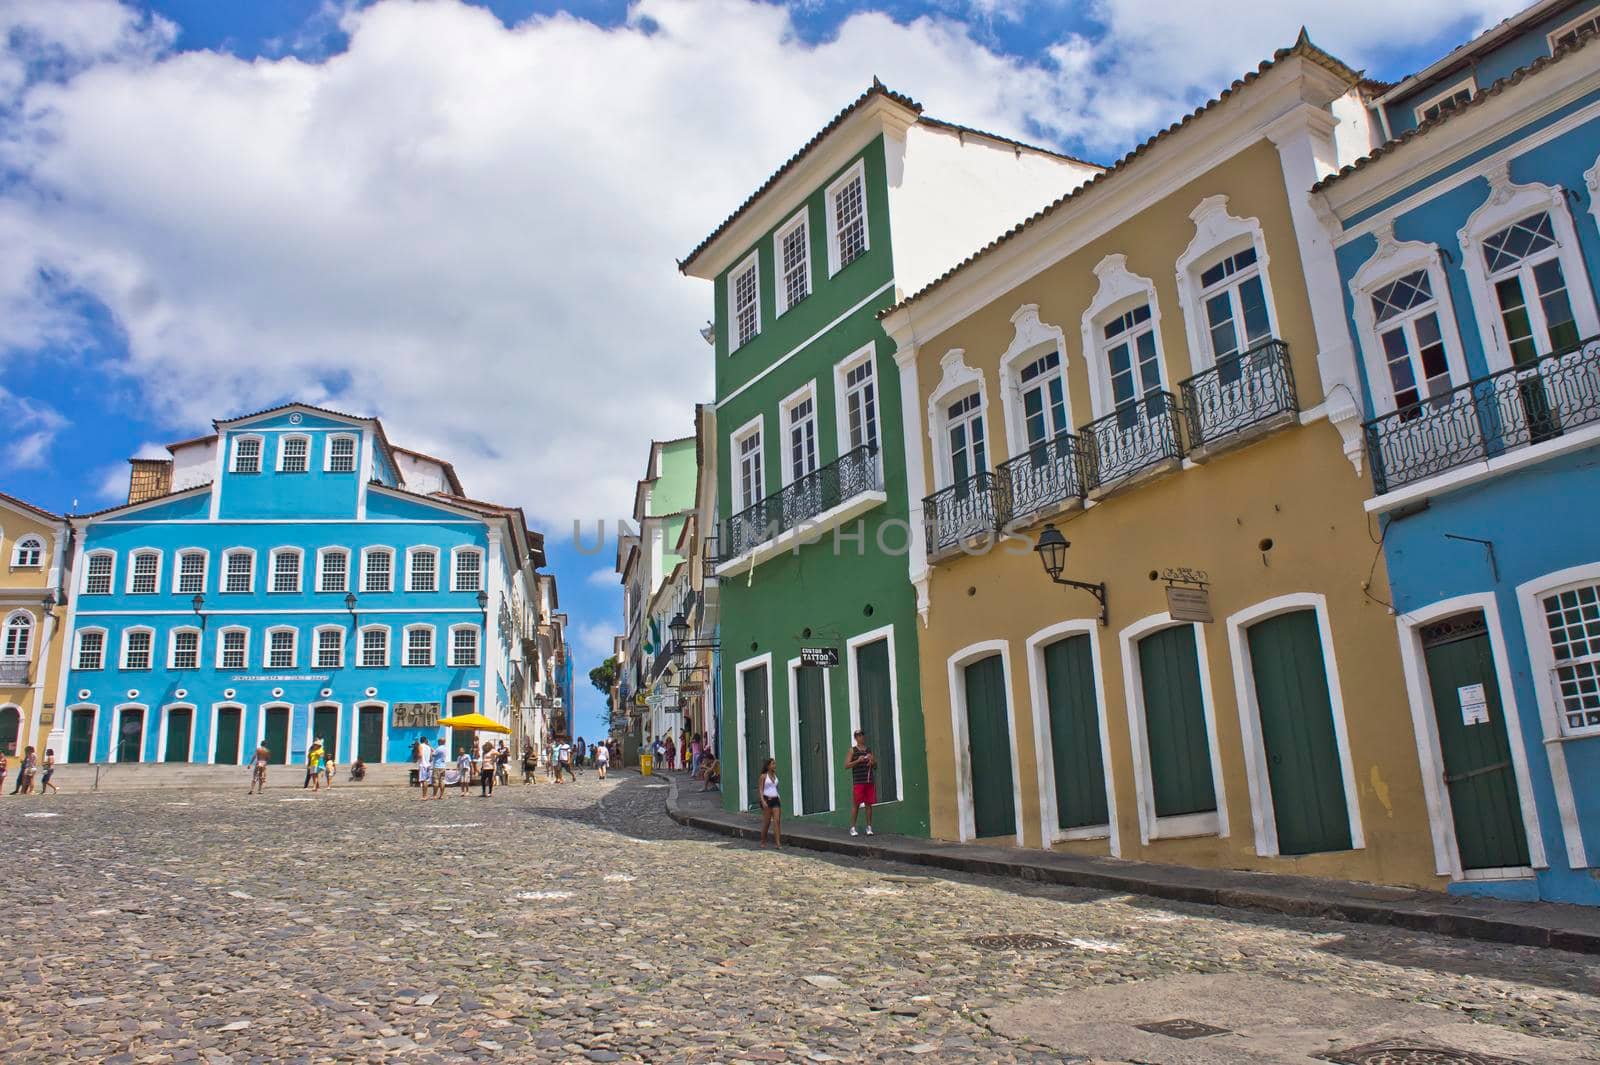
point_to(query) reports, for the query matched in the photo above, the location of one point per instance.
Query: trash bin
(645, 761)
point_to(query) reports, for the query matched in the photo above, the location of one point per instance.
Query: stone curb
(1482, 919)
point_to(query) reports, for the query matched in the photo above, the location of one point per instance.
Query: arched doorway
(10, 727)
(129, 739)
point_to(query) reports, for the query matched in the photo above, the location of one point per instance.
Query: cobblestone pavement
(578, 923)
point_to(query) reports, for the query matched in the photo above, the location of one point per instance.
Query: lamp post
(199, 605)
(1052, 551)
(483, 603)
(678, 627)
(350, 605)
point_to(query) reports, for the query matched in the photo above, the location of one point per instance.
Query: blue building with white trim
(292, 576)
(1469, 250)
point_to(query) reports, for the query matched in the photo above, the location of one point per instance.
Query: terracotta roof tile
(143, 502)
(25, 505)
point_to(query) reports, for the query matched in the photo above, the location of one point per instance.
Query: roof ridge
(23, 503)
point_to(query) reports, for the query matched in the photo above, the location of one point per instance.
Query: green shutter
(756, 748)
(81, 736)
(370, 734)
(813, 754)
(325, 727)
(179, 723)
(989, 749)
(130, 735)
(874, 697)
(225, 745)
(276, 735)
(1296, 715)
(1075, 734)
(1175, 723)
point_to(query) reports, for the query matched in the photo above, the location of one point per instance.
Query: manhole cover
(1182, 1028)
(1016, 941)
(1406, 1052)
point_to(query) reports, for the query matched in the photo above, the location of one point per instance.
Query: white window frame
(222, 640)
(1217, 233)
(294, 647)
(1506, 204)
(177, 570)
(172, 647)
(366, 556)
(133, 568)
(1555, 35)
(477, 631)
(857, 171)
(1393, 260)
(283, 449)
(261, 454)
(36, 543)
(316, 646)
(978, 417)
(322, 553)
(405, 644)
(842, 392)
(754, 427)
(411, 555)
(1186, 825)
(455, 569)
(77, 649)
(111, 577)
(807, 391)
(955, 670)
(299, 570)
(30, 625)
(751, 263)
(122, 656)
(355, 452)
(957, 379)
(801, 222)
(116, 729)
(1468, 83)
(222, 581)
(361, 646)
(1119, 292)
(1031, 340)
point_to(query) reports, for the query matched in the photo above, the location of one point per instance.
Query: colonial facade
(1469, 255)
(291, 576)
(35, 552)
(813, 504)
(1151, 382)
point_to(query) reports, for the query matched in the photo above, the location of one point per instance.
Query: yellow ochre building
(34, 545)
(1158, 366)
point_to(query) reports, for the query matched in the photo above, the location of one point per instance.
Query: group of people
(320, 767)
(696, 753)
(485, 764)
(863, 767)
(31, 772)
(563, 757)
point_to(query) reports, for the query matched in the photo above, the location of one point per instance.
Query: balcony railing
(1239, 392)
(1044, 476)
(14, 672)
(847, 476)
(1482, 419)
(1135, 437)
(961, 511)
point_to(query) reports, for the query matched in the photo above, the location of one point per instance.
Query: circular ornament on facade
(371, 692)
(182, 693)
(133, 693)
(327, 693)
(83, 693)
(227, 693)
(295, 419)
(277, 693)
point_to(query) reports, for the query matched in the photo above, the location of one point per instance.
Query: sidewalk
(1535, 924)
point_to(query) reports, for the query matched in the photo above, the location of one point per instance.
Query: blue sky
(464, 221)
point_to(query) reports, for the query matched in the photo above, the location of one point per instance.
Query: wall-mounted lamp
(199, 605)
(1052, 551)
(350, 605)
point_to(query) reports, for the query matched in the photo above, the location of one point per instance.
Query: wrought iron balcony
(1238, 393)
(14, 672)
(961, 511)
(1486, 418)
(1044, 476)
(846, 477)
(1135, 437)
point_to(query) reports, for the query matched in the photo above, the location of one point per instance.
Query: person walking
(441, 761)
(49, 770)
(671, 751)
(314, 766)
(602, 759)
(863, 765)
(5, 766)
(258, 769)
(488, 769)
(502, 762)
(464, 770)
(530, 763)
(424, 768)
(771, 803)
(564, 761)
(25, 772)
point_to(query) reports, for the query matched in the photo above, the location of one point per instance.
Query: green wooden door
(276, 735)
(180, 725)
(10, 726)
(875, 700)
(1075, 734)
(130, 735)
(1478, 772)
(1308, 798)
(989, 749)
(369, 734)
(1175, 723)
(225, 749)
(461, 739)
(80, 736)
(813, 724)
(757, 749)
(325, 727)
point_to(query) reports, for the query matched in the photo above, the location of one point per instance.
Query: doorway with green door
(325, 727)
(979, 683)
(128, 737)
(275, 733)
(1178, 786)
(1070, 721)
(811, 722)
(755, 725)
(178, 729)
(370, 722)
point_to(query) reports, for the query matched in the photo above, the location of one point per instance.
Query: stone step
(134, 776)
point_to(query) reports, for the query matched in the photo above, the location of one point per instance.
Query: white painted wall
(947, 199)
(1357, 133)
(420, 474)
(193, 464)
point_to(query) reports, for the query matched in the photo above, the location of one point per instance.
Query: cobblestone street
(578, 923)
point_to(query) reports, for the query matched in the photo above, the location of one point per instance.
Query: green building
(810, 443)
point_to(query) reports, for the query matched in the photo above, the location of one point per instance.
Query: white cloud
(594, 643)
(471, 230)
(605, 577)
(31, 428)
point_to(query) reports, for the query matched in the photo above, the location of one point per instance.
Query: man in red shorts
(862, 766)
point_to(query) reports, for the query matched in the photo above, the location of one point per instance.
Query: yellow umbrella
(474, 723)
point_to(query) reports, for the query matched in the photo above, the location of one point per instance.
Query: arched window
(466, 570)
(281, 648)
(422, 569)
(99, 567)
(419, 645)
(1223, 284)
(183, 649)
(239, 570)
(374, 646)
(91, 652)
(333, 569)
(17, 639)
(138, 648)
(246, 454)
(233, 648)
(377, 569)
(341, 456)
(286, 569)
(464, 641)
(294, 454)
(330, 647)
(191, 571)
(144, 572)
(28, 553)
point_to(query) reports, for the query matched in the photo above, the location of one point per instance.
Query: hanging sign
(1474, 704)
(826, 657)
(416, 715)
(1189, 604)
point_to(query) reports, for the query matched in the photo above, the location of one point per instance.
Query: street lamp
(483, 602)
(350, 605)
(199, 605)
(1052, 551)
(678, 628)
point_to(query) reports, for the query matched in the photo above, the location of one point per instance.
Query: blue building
(1469, 250)
(293, 575)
